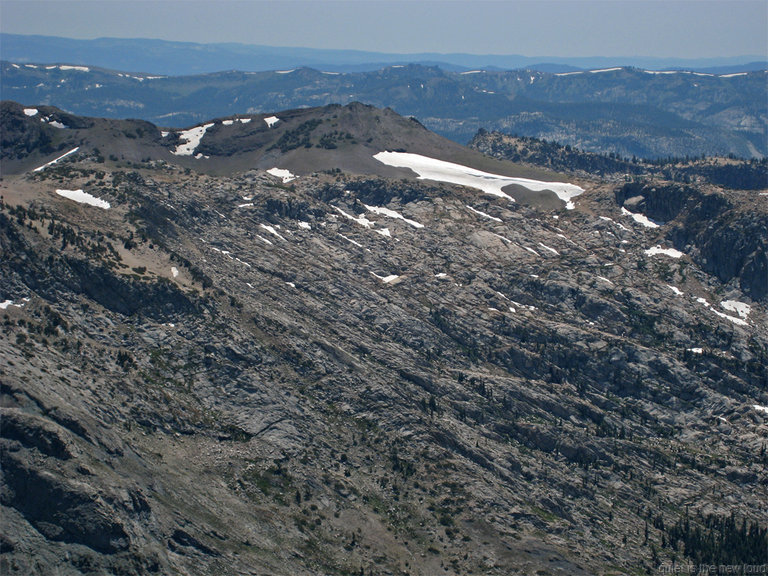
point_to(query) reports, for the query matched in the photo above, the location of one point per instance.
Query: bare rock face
(346, 372)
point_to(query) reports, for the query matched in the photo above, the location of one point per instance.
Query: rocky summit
(328, 341)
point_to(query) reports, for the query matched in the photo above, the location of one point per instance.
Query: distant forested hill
(624, 111)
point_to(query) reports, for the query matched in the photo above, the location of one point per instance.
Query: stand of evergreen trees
(720, 540)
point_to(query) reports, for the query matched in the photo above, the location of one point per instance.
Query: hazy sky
(659, 28)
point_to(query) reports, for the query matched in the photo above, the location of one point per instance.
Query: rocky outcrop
(727, 241)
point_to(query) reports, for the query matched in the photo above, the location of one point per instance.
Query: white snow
(193, 136)
(740, 308)
(30, 111)
(305, 225)
(555, 252)
(4, 305)
(385, 232)
(483, 214)
(696, 350)
(362, 220)
(271, 120)
(57, 124)
(164, 133)
(675, 289)
(604, 279)
(737, 321)
(620, 225)
(282, 173)
(174, 271)
(78, 68)
(271, 230)
(671, 252)
(264, 240)
(760, 408)
(441, 275)
(291, 284)
(640, 218)
(246, 205)
(441, 171)
(227, 122)
(532, 251)
(733, 319)
(604, 70)
(386, 279)
(83, 198)
(351, 241)
(733, 75)
(56, 160)
(245, 120)
(392, 214)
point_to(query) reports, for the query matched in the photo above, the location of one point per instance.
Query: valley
(328, 340)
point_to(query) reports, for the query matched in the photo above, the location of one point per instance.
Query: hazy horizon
(554, 28)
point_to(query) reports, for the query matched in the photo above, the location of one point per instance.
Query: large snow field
(442, 171)
(83, 198)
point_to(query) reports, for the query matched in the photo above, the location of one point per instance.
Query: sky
(654, 28)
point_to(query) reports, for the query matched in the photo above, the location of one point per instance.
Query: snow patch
(30, 111)
(271, 230)
(392, 214)
(271, 120)
(362, 220)
(613, 221)
(483, 214)
(44, 166)
(193, 136)
(441, 171)
(555, 252)
(760, 408)
(740, 308)
(83, 198)
(386, 279)
(675, 290)
(671, 252)
(351, 241)
(282, 173)
(174, 271)
(385, 232)
(640, 218)
(737, 321)
(305, 225)
(695, 350)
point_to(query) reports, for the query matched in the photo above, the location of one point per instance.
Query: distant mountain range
(623, 111)
(184, 58)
